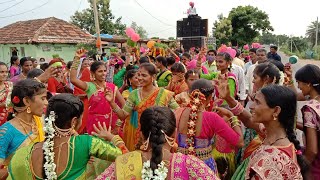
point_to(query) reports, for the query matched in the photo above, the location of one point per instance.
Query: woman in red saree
(5, 91)
(83, 73)
(99, 108)
(58, 83)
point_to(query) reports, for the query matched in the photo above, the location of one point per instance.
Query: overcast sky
(287, 17)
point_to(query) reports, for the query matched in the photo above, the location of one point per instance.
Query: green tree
(268, 38)
(247, 22)
(223, 29)
(107, 22)
(140, 30)
(311, 32)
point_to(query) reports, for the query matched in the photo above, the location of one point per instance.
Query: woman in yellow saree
(157, 159)
(29, 99)
(139, 100)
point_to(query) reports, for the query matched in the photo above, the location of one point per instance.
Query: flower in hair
(16, 100)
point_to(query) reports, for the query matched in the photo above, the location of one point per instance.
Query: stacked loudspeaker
(191, 31)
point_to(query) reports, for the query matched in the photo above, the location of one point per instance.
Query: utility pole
(96, 22)
(291, 43)
(317, 31)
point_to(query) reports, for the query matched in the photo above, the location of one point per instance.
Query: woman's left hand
(223, 112)
(102, 131)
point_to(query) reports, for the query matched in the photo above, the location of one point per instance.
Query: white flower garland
(160, 173)
(49, 166)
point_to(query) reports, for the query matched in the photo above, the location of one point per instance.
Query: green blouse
(80, 149)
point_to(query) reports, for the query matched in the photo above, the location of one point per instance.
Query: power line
(26, 11)
(6, 2)
(11, 6)
(151, 14)
(161, 31)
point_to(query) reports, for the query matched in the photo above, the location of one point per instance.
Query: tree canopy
(223, 29)
(107, 22)
(311, 32)
(247, 22)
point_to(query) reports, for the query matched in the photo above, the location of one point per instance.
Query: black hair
(130, 74)
(162, 60)
(65, 106)
(69, 64)
(268, 70)
(212, 50)
(170, 61)
(26, 88)
(3, 64)
(279, 64)
(286, 99)
(274, 47)
(187, 55)
(204, 86)
(178, 67)
(254, 50)
(191, 71)
(143, 59)
(13, 59)
(309, 74)
(24, 60)
(237, 52)
(150, 68)
(153, 121)
(123, 58)
(227, 57)
(95, 66)
(44, 66)
(152, 58)
(34, 73)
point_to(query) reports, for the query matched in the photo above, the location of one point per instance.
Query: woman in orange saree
(139, 100)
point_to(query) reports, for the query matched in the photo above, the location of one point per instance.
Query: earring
(28, 110)
(275, 118)
(145, 145)
(171, 141)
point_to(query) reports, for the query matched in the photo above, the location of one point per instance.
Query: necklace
(98, 87)
(21, 122)
(277, 140)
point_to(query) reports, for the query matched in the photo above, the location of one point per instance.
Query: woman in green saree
(63, 155)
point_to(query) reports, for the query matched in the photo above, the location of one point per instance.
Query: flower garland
(159, 174)
(49, 166)
(196, 98)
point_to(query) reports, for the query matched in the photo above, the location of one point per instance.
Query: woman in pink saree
(156, 159)
(99, 108)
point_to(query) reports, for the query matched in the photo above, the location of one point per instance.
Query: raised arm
(73, 72)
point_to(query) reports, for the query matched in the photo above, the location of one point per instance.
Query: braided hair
(153, 121)
(65, 106)
(285, 98)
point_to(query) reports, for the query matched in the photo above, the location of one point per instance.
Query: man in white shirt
(260, 57)
(239, 73)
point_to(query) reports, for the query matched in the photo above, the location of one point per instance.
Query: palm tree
(311, 32)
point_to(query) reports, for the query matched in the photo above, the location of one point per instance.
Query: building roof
(48, 30)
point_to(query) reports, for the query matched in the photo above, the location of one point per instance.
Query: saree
(183, 99)
(163, 78)
(12, 139)
(273, 162)
(83, 76)
(212, 125)
(4, 95)
(80, 149)
(17, 78)
(160, 97)
(177, 87)
(311, 119)
(99, 108)
(129, 166)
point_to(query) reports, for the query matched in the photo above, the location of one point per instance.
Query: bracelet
(116, 140)
(119, 123)
(116, 110)
(238, 109)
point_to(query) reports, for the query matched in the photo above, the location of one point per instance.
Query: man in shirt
(210, 63)
(237, 60)
(273, 53)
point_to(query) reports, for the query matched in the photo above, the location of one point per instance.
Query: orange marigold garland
(196, 98)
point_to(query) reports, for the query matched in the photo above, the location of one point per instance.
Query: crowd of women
(201, 114)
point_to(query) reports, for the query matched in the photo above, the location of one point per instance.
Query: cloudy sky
(159, 17)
